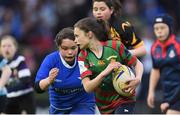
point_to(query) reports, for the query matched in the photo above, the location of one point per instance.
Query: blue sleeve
(45, 67)
(3, 62)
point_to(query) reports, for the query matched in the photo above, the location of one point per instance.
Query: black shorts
(175, 106)
(18, 104)
(2, 103)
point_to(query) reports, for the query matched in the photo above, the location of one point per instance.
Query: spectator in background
(20, 94)
(60, 74)
(142, 90)
(166, 65)
(110, 10)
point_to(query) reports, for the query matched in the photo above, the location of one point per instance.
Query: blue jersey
(3, 62)
(67, 89)
(166, 58)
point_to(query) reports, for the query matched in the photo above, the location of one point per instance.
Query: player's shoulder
(155, 45)
(52, 56)
(124, 22)
(156, 42)
(112, 43)
(178, 39)
(82, 55)
(83, 52)
(123, 27)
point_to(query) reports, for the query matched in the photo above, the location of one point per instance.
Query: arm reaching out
(44, 84)
(154, 78)
(90, 85)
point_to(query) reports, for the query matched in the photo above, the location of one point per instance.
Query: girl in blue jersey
(60, 74)
(166, 65)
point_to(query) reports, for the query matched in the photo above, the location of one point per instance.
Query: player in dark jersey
(166, 65)
(5, 74)
(97, 61)
(60, 74)
(20, 93)
(109, 10)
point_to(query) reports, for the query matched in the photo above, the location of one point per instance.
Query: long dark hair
(98, 27)
(115, 18)
(115, 4)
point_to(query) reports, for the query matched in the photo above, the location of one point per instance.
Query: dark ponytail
(105, 27)
(98, 27)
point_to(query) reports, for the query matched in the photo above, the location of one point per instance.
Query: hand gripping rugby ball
(120, 76)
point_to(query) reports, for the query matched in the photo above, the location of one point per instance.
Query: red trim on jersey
(111, 104)
(121, 50)
(86, 73)
(132, 61)
(114, 44)
(104, 43)
(172, 40)
(164, 45)
(83, 56)
(105, 94)
(111, 107)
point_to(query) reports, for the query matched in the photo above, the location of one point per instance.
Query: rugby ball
(120, 76)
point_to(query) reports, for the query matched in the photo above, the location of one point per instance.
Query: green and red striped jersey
(107, 99)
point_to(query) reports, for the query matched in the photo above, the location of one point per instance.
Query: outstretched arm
(154, 78)
(133, 83)
(91, 85)
(140, 51)
(44, 84)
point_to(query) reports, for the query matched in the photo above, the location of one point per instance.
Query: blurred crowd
(34, 23)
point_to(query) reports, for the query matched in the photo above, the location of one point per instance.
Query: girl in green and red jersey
(97, 61)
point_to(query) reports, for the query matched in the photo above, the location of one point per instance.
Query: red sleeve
(83, 64)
